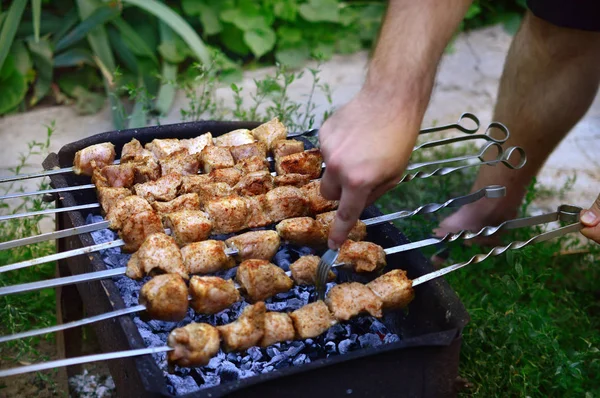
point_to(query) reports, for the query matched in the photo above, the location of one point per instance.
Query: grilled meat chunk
(161, 148)
(216, 157)
(261, 245)
(362, 256)
(246, 331)
(193, 184)
(92, 157)
(148, 170)
(137, 228)
(257, 214)
(269, 132)
(188, 226)
(262, 279)
(309, 163)
(311, 320)
(124, 208)
(213, 191)
(285, 202)
(347, 300)
(245, 151)
(108, 196)
(251, 164)
(159, 254)
(394, 289)
(165, 297)
(317, 203)
(196, 145)
(302, 231)
(134, 152)
(114, 175)
(235, 138)
(164, 189)
(304, 270)
(293, 179)
(180, 162)
(283, 148)
(188, 201)
(229, 176)
(278, 328)
(211, 294)
(206, 257)
(255, 183)
(227, 214)
(357, 233)
(194, 345)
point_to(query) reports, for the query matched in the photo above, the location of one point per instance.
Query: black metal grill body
(423, 364)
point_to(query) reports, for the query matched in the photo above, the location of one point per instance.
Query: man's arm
(367, 143)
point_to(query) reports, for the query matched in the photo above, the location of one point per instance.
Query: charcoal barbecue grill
(424, 362)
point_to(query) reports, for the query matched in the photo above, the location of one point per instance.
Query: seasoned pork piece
(317, 203)
(309, 163)
(261, 245)
(227, 214)
(193, 184)
(286, 202)
(188, 201)
(161, 148)
(283, 148)
(394, 289)
(304, 270)
(133, 151)
(147, 170)
(255, 183)
(229, 176)
(251, 164)
(269, 132)
(114, 175)
(362, 256)
(137, 227)
(108, 196)
(302, 231)
(245, 151)
(278, 328)
(94, 156)
(159, 254)
(262, 279)
(235, 138)
(246, 331)
(348, 300)
(357, 233)
(311, 320)
(165, 297)
(163, 189)
(196, 145)
(188, 226)
(257, 214)
(124, 208)
(180, 162)
(194, 345)
(206, 257)
(216, 157)
(211, 294)
(213, 191)
(294, 179)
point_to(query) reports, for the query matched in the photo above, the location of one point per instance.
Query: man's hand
(591, 219)
(366, 146)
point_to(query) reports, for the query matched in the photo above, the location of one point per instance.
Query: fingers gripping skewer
(493, 191)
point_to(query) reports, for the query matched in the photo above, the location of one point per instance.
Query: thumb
(590, 218)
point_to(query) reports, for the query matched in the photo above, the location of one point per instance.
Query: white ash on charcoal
(359, 333)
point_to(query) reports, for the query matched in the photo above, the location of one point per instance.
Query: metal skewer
(566, 213)
(492, 191)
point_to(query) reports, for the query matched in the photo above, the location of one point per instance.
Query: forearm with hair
(411, 42)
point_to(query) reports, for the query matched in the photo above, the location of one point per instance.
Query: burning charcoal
(272, 351)
(369, 340)
(162, 326)
(228, 371)
(233, 357)
(210, 379)
(309, 341)
(255, 353)
(300, 359)
(304, 251)
(295, 348)
(335, 331)
(268, 369)
(378, 327)
(345, 346)
(330, 347)
(183, 385)
(284, 295)
(277, 359)
(294, 304)
(283, 259)
(246, 366)
(280, 306)
(391, 338)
